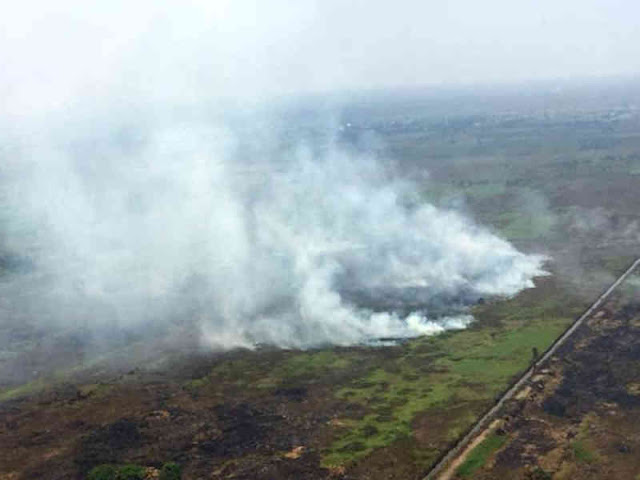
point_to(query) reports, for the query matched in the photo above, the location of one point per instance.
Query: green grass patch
(583, 451)
(313, 364)
(22, 390)
(480, 454)
(169, 471)
(517, 225)
(475, 367)
(197, 383)
(288, 367)
(464, 369)
(117, 472)
(48, 383)
(582, 446)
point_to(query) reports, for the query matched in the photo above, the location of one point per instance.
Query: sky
(56, 54)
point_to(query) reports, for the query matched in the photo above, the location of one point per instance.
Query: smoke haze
(135, 199)
(52, 53)
(251, 243)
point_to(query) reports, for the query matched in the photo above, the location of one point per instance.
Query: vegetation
(103, 472)
(170, 471)
(582, 451)
(582, 446)
(465, 369)
(22, 390)
(479, 455)
(459, 372)
(559, 184)
(115, 472)
(540, 474)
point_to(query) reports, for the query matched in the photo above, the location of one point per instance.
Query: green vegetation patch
(465, 370)
(30, 388)
(48, 383)
(480, 454)
(582, 447)
(304, 367)
(169, 471)
(583, 452)
(313, 363)
(310, 367)
(117, 472)
(518, 225)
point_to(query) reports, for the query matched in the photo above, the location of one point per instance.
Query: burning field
(357, 412)
(205, 276)
(247, 241)
(171, 304)
(117, 333)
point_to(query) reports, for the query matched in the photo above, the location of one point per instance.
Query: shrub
(170, 471)
(114, 472)
(480, 454)
(103, 472)
(130, 472)
(539, 474)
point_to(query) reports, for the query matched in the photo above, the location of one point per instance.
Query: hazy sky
(53, 53)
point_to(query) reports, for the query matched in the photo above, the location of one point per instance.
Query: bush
(170, 471)
(540, 474)
(130, 472)
(114, 472)
(103, 472)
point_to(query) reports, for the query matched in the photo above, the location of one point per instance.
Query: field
(555, 173)
(579, 415)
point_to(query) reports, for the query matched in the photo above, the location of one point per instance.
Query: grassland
(479, 455)
(564, 184)
(463, 371)
(392, 387)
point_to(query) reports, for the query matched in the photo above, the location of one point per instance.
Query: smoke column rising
(174, 222)
(139, 195)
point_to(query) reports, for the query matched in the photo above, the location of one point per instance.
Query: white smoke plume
(139, 191)
(290, 245)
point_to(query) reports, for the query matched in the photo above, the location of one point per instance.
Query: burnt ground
(580, 417)
(540, 181)
(372, 413)
(211, 430)
(353, 413)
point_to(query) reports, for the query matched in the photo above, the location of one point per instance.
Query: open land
(555, 173)
(577, 416)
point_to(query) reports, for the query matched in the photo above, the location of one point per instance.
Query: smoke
(604, 228)
(246, 238)
(145, 193)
